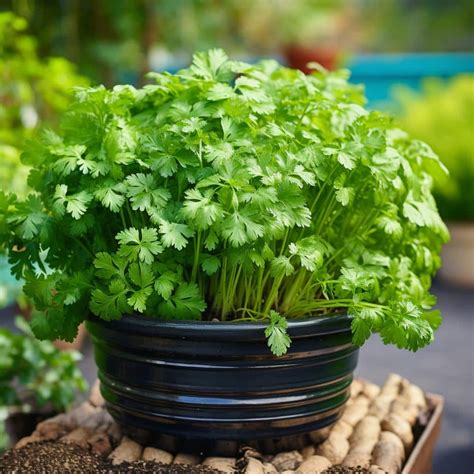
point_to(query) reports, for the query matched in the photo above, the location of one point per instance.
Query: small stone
(34, 438)
(157, 455)
(343, 428)
(356, 387)
(371, 390)
(314, 465)
(84, 411)
(183, 458)
(63, 419)
(308, 451)
(226, 465)
(96, 399)
(51, 431)
(335, 448)
(356, 410)
(79, 437)
(374, 469)
(401, 428)
(127, 451)
(287, 461)
(100, 444)
(115, 432)
(249, 452)
(269, 468)
(254, 466)
(321, 435)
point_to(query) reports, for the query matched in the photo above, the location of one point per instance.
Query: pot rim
(309, 326)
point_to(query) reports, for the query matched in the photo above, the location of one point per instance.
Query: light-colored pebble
(356, 411)
(269, 468)
(321, 435)
(357, 386)
(380, 406)
(389, 453)
(343, 428)
(374, 469)
(287, 461)
(157, 455)
(308, 451)
(51, 431)
(34, 438)
(404, 410)
(190, 459)
(254, 466)
(392, 386)
(401, 428)
(127, 451)
(99, 443)
(314, 465)
(335, 448)
(371, 390)
(96, 398)
(357, 458)
(79, 437)
(226, 465)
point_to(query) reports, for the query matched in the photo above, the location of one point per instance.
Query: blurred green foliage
(414, 25)
(35, 372)
(32, 91)
(113, 41)
(443, 116)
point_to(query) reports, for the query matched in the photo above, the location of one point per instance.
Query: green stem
(197, 251)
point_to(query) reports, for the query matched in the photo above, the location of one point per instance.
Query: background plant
(443, 115)
(35, 372)
(32, 91)
(112, 42)
(265, 196)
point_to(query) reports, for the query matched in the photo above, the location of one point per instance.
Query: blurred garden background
(415, 58)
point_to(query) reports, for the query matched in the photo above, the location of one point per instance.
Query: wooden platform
(391, 429)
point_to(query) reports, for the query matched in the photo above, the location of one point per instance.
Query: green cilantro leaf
(278, 339)
(139, 245)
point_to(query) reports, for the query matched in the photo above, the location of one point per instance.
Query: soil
(56, 458)
(346, 470)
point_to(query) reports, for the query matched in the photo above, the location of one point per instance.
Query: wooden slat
(421, 458)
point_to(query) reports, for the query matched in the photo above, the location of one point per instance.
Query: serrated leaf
(210, 264)
(174, 234)
(277, 338)
(111, 304)
(185, 303)
(140, 245)
(165, 284)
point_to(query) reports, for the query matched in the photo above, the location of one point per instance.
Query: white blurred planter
(458, 255)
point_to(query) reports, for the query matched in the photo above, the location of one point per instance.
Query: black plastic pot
(219, 381)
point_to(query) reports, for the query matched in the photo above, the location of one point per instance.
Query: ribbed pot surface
(219, 381)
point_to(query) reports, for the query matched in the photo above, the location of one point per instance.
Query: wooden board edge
(429, 436)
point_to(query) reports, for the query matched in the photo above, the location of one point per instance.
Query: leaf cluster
(234, 191)
(36, 370)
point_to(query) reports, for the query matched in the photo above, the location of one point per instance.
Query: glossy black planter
(218, 381)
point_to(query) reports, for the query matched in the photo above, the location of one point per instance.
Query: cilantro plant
(230, 191)
(35, 371)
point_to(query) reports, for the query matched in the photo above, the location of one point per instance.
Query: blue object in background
(381, 72)
(10, 288)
